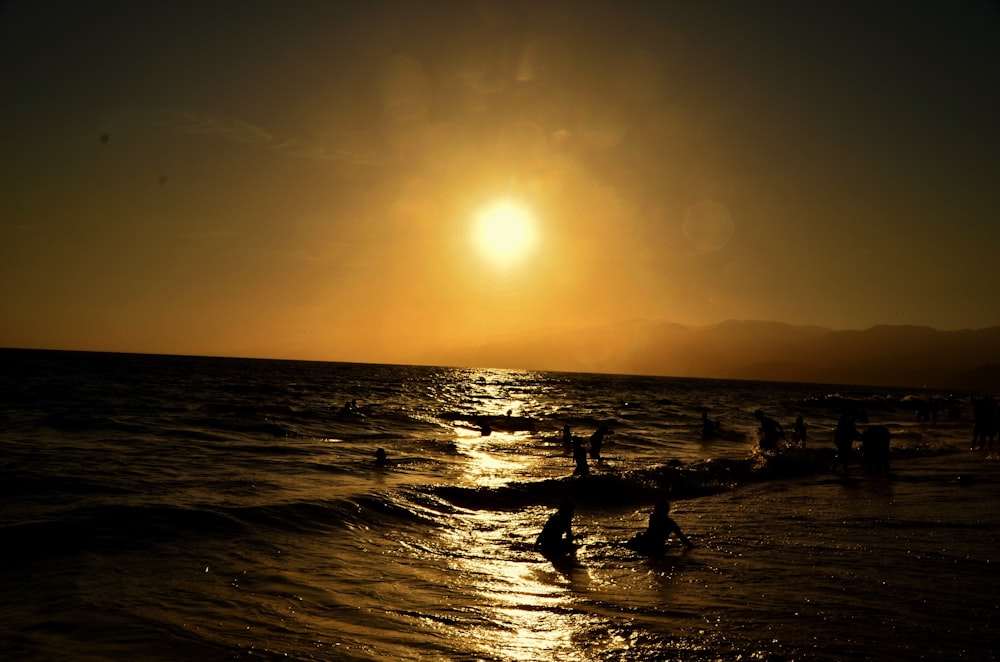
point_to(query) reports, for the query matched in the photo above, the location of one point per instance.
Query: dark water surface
(166, 508)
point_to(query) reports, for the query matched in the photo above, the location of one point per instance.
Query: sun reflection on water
(529, 605)
(525, 608)
(502, 454)
(496, 460)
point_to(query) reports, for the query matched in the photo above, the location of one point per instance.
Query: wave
(107, 529)
(320, 516)
(863, 406)
(110, 529)
(81, 422)
(20, 486)
(115, 528)
(674, 480)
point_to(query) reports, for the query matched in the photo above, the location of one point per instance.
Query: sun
(505, 231)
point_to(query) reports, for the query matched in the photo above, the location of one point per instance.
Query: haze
(302, 180)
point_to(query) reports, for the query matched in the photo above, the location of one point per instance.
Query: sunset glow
(505, 232)
(410, 182)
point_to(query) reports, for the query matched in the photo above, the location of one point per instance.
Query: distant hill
(770, 351)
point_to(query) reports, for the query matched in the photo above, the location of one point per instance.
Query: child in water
(661, 525)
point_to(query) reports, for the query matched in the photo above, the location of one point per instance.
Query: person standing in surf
(843, 439)
(799, 432)
(984, 423)
(597, 439)
(875, 450)
(580, 457)
(770, 431)
(708, 426)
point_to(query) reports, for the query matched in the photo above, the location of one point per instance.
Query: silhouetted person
(799, 431)
(708, 426)
(580, 457)
(567, 437)
(770, 431)
(954, 411)
(381, 459)
(843, 439)
(875, 450)
(661, 527)
(984, 412)
(556, 538)
(597, 440)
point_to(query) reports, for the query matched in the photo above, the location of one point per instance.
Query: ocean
(191, 508)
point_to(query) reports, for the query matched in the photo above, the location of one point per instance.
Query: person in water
(567, 437)
(843, 439)
(382, 459)
(597, 439)
(875, 450)
(799, 431)
(708, 426)
(661, 526)
(580, 457)
(556, 538)
(770, 431)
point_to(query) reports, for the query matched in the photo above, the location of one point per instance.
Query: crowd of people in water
(872, 454)
(556, 539)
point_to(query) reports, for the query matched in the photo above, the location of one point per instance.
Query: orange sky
(301, 179)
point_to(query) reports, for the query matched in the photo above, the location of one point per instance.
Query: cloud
(224, 128)
(355, 152)
(355, 149)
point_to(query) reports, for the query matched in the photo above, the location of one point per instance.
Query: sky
(312, 179)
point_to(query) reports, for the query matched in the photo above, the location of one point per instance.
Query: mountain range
(909, 356)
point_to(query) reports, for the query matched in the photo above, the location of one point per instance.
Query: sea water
(166, 508)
